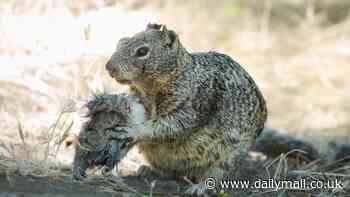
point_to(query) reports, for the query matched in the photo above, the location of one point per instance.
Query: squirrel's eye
(142, 51)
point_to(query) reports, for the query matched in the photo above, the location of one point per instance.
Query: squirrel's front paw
(133, 133)
(121, 132)
(78, 174)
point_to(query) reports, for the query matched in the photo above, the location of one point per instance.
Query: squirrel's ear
(170, 37)
(153, 26)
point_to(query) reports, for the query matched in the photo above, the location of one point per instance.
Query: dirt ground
(13, 183)
(28, 186)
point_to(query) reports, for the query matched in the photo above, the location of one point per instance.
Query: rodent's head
(150, 54)
(114, 110)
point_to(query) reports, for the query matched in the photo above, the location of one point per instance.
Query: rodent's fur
(204, 108)
(94, 147)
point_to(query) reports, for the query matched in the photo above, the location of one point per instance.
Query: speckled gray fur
(204, 108)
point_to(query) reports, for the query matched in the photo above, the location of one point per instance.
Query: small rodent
(95, 147)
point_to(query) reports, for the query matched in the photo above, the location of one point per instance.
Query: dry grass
(53, 52)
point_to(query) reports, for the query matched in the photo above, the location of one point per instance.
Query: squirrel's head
(148, 55)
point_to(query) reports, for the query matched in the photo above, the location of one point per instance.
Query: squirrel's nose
(109, 66)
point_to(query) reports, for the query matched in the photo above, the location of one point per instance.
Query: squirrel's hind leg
(146, 172)
(208, 182)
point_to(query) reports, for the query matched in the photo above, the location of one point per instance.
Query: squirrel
(204, 109)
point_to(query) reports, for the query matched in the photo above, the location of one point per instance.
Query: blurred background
(52, 55)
